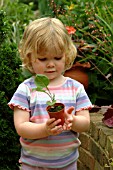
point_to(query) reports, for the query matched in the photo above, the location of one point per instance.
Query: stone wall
(97, 145)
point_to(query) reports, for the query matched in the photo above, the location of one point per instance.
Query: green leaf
(39, 89)
(41, 81)
(51, 103)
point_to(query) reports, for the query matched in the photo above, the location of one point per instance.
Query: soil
(55, 108)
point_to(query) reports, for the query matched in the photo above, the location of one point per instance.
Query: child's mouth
(50, 71)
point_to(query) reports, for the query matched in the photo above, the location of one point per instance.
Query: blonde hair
(46, 35)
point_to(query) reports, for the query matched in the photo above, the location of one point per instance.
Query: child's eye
(42, 59)
(58, 58)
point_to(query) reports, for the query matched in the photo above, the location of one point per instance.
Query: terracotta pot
(57, 115)
(79, 72)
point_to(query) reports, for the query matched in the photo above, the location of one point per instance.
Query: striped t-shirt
(52, 151)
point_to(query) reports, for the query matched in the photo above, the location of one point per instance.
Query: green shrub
(9, 79)
(13, 19)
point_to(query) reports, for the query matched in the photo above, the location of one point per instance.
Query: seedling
(55, 110)
(42, 83)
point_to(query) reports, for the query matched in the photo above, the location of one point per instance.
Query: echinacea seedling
(42, 83)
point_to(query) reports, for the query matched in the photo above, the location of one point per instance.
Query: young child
(46, 48)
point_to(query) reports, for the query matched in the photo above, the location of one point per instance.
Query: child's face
(50, 65)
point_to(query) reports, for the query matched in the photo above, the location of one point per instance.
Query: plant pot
(57, 114)
(79, 72)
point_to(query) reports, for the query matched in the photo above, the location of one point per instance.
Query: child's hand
(52, 128)
(68, 119)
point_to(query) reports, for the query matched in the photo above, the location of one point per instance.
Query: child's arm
(79, 122)
(30, 130)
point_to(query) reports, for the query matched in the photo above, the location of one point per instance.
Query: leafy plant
(107, 112)
(42, 82)
(10, 77)
(55, 110)
(93, 38)
(13, 19)
(50, 7)
(18, 19)
(108, 117)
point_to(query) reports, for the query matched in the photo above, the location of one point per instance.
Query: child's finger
(57, 130)
(49, 121)
(69, 111)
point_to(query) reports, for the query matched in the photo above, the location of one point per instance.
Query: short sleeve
(82, 101)
(21, 98)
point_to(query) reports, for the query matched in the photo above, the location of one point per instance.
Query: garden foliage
(12, 22)
(9, 79)
(93, 21)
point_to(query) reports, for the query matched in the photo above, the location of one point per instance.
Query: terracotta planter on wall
(79, 72)
(57, 114)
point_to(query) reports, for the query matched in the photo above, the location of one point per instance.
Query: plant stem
(49, 95)
(101, 72)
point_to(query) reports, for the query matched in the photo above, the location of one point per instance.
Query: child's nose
(50, 64)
